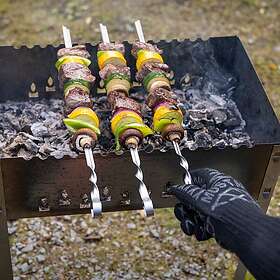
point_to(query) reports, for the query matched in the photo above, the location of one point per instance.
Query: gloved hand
(208, 205)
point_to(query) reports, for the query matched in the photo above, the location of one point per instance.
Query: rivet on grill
(64, 199)
(33, 93)
(50, 87)
(105, 194)
(44, 204)
(165, 193)
(125, 200)
(85, 201)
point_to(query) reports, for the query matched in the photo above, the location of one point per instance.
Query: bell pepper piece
(84, 113)
(76, 82)
(144, 129)
(122, 116)
(116, 76)
(72, 58)
(112, 57)
(164, 116)
(144, 56)
(151, 76)
(75, 124)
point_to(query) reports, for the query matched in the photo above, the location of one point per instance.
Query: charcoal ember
(39, 130)
(77, 98)
(219, 116)
(194, 124)
(125, 103)
(46, 149)
(110, 69)
(148, 68)
(160, 95)
(73, 71)
(198, 115)
(111, 47)
(79, 50)
(239, 138)
(137, 46)
(234, 118)
(203, 139)
(23, 141)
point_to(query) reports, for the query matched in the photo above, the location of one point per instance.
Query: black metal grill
(60, 186)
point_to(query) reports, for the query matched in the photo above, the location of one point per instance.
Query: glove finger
(187, 227)
(201, 233)
(183, 212)
(187, 194)
(205, 176)
(179, 212)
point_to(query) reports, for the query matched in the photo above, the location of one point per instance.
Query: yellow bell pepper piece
(72, 58)
(144, 56)
(164, 115)
(122, 115)
(83, 113)
(112, 57)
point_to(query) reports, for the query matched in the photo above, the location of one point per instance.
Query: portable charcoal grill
(34, 188)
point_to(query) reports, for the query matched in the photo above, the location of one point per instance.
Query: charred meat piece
(74, 71)
(160, 95)
(137, 46)
(111, 47)
(125, 103)
(152, 67)
(113, 95)
(77, 98)
(110, 69)
(79, 50)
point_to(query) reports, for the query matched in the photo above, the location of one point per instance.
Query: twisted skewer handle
(148, 204)
(94, 194)
(184, 163)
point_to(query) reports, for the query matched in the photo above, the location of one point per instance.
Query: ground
(124, 245)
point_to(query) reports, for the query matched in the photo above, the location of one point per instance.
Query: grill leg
(5, 262)
(265, 195)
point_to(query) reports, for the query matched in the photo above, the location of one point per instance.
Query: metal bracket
(5, 263)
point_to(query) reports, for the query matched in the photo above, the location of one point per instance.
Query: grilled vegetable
(155, 79)
(165, 115)
(72, 58)
(110, 57)
(82, 117)
(128, 120)
(145, 56)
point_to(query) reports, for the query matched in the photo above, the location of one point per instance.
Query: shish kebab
(127, 124)
(75, 78)
(154, 75)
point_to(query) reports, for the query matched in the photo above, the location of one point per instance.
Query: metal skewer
(144, 194)
(94, 194)
(183, 161)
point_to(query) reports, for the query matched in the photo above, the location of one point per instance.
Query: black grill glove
(206, 202)
(218, 206)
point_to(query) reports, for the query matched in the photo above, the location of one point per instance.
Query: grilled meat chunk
(137, 46)
(74, 71)
(160, 95)
(125, 103)
(79, 50)
(152, 67)
(77, 98)
(111, 47)
(113, 95)
(110, 69)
